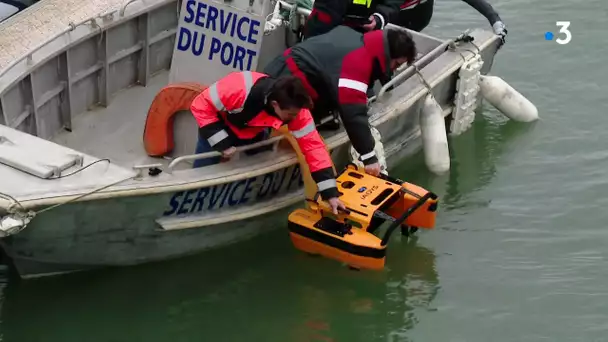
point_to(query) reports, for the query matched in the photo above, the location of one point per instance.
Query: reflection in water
(346, 305)
(474, 156)
(260, 290)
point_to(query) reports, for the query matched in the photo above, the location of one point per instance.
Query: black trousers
(417, 18)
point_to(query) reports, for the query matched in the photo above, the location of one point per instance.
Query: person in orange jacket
(241, 109)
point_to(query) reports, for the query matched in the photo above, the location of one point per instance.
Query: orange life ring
(158, 132)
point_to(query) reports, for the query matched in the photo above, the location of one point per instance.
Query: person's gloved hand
(500, 30)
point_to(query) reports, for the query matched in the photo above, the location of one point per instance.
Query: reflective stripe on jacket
(235, 108)
(341, 64)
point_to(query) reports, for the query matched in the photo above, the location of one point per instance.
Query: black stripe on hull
(336, 242)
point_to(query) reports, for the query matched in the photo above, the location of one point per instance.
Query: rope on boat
(83, 195)
(17, 209)
(463, 38)
(378, 149)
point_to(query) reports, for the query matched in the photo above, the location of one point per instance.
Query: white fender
(434, 136)
(507, 100)
(378, 148)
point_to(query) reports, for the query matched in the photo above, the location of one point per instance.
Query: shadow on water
(473, 158)
(258, 290)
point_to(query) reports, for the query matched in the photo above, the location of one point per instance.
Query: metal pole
(302, 11)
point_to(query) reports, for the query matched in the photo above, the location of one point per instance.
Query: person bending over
(243, 107)
(338, 67)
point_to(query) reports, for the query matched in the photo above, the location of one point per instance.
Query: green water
(518, 254)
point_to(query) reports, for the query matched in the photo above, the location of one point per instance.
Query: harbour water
(518, 254)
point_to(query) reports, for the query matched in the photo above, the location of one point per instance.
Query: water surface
(518, 254)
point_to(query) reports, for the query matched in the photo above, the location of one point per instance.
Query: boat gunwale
(333, 142)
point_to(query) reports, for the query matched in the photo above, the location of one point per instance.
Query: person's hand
(229, 152)
(373, 169)
(371, 25)
(500, 30)
(335, 203)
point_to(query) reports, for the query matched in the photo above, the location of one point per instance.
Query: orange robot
(370, 201)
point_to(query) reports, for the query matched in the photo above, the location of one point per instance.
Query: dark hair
(289, 92)
(401, 44)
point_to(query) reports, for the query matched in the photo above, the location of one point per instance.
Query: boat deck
(32, 161)
(116, 132)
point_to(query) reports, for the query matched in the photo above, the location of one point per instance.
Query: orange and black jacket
(235, 108)
(337, 69)
(327, 14)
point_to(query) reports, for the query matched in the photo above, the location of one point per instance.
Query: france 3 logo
(564, 34)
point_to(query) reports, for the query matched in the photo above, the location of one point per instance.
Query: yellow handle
(310, 187)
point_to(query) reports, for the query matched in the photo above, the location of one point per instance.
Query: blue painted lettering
(190, 10)
(226, 193)
(239, 58)
(234, 194)
(226, 57)
(229, 25)
(242, 36)
(206, 17)
(200, 14)
(183, 209)
(248, 189)
(295, 175)
(276, 186)
(253, 31)
(224, 22)
(213, 13)
(231, 200)
(173, 203)
(186, 40)
(266, 183)
(232, 28)
(230, 56)
(200, 199)
(215, 195)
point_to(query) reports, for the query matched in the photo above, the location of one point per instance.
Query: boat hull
(134, 230)
(142, 228)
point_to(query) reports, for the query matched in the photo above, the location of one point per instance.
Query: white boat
(79, 191)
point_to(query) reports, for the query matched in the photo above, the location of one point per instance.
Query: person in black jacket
(416, 15)
(361, 15)
(338, 67)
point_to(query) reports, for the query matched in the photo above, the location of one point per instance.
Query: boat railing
(407, 71)
(299, 10)
(274, 141)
